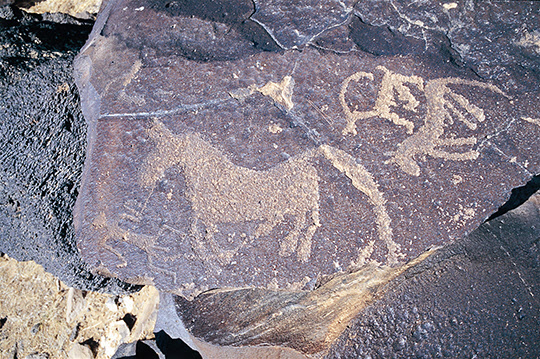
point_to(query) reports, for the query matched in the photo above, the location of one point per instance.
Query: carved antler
(392, 84)
(440, 108)
(437, 93)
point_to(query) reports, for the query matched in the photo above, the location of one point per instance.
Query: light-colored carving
(273, 128)
(456, 179)
(463, 215)
(363, 181)
(443, 106)
(390, 84)
(133, 98)
(132, 72)
(280, 92)
(428, 139)
(530, 40)
(221, 192)
(125, 80)
(535, 121)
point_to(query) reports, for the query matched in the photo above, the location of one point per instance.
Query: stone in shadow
(42, 144)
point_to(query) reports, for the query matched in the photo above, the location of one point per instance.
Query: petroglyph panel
(268, 167)
(443, 106)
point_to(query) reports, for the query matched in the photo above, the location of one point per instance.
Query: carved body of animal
(443, 104)
(221, 192)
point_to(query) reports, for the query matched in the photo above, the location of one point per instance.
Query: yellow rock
(76, 8)
(40, 314)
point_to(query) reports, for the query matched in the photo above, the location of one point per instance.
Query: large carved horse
(221, 192)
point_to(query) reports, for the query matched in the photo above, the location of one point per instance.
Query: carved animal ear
(159, 131)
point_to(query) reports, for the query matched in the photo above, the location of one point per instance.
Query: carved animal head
(165, 154)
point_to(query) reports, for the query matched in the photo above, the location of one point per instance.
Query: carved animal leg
(405, 161)
(304, 248)
(103, 244)
(289, 244)
(222, 256)
(198, 240)
(181, 237)
(154, 267)
(459, 156)
(353, 116)
(206, 248)
(267, 226)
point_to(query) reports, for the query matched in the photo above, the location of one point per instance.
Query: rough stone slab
(480, 298)
(42, 144)
(294, 24)
(496, 39)
(477, 296)
(41, 317)
(217, 159)
(82, 9)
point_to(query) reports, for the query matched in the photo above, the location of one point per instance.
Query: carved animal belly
(221, 192)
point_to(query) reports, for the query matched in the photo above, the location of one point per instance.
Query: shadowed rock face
(217, 159)
(477, 296)
(42, 144)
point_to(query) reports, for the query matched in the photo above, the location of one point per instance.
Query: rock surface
(477, 296)
(375, 66)
(42, 144)
(258, 144)
(479, 299)
(83, 9)
(41, 316)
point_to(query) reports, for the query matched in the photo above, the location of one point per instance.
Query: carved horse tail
(363, 181)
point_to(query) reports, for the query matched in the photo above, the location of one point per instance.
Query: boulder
(42, 144)
(270, 146)
(477, 296)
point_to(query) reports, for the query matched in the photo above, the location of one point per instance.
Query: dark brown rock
(214, 161)
(42, 144)
(477, 296)
(306, 321)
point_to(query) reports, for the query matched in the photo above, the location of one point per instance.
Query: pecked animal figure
(221, 192)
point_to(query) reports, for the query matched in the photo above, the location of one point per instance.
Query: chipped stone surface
(40, 314)
(219, 157)
(492, 276)
(42, 144)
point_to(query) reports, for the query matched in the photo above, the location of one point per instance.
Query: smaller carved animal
(443, 104)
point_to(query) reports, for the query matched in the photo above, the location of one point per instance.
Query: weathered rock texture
(308, 321)
(86, 9)
(41, 316)
(270, 144)
(477, 296)
(42, 144)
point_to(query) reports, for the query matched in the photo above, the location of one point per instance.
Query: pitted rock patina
(239, 155)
